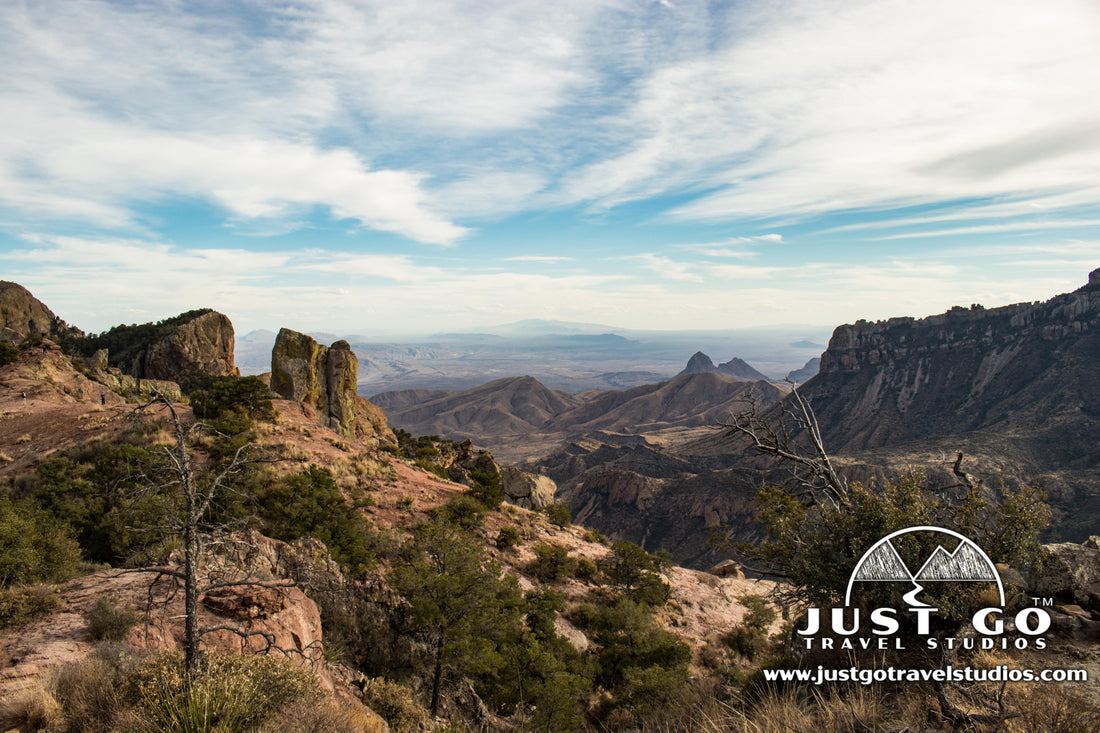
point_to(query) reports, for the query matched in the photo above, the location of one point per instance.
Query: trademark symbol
(1042, 601)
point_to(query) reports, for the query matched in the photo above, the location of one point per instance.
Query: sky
(413, 167)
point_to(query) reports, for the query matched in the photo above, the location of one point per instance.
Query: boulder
(1070, 573)
(528, 490)
(727, 569)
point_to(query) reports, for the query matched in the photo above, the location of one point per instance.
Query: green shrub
(20, 605)
(310, 504)
(635, 571)
(488, 488)
(559, 515)
(100, 490)
(232, 403)
(8, 353)
(231, 693)
(431, 467)
(587, 569)
(507, 538)
(463, 510)
(34, 546)
(108, 621)
(552, 562)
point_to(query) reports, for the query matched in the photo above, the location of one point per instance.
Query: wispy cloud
(547, 259)
(867, 105)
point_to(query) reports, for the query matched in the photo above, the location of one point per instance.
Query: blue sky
(379, 167)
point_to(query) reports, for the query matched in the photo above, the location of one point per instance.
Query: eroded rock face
(22, 314)
(528, 490)
(1070, 574)
(201, 345)
(324, 377)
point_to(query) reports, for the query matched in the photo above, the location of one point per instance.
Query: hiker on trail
(24, 396)
(103, 398)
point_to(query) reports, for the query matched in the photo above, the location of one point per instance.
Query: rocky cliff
(22, 314)
(1029, 368)
(181, 349)
(325, 377)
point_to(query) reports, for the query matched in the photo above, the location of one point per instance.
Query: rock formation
(966, 369)
(181, 349)
(22, 314)
(528, 490)
(325, 378)
(203, 344)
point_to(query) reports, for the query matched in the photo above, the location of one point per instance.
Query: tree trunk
(437, 678)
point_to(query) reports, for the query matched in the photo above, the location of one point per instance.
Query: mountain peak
(698, 363)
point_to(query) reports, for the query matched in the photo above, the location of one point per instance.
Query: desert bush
(110, 621)
(93, 694)
(1048, 708)
(328, 716)
(507, 538)
(32, 709)
(233, 693)
(22, 604)
(8, 353)
(595, 535)
(34, 546)
(552, 562)
(559, 515)
(395, 703)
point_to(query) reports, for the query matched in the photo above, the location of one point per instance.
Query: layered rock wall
(967, 369)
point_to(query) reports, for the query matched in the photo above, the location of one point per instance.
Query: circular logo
(967, 563)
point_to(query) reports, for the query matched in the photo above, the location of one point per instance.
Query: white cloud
(864, 105)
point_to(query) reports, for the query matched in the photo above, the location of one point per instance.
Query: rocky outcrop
(1070, 573)
(202, 345)
(184, 349)
(326, 378)
(22, 314)
(528, 490)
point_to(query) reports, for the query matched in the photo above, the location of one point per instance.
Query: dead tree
(198, 493)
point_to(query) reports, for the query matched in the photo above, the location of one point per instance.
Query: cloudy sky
(364, 167)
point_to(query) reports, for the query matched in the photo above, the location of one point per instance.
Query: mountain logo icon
(967, 563)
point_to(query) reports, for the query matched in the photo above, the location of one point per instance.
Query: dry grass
(32, 708)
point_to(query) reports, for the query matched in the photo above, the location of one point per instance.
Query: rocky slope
(511, 406)
(22, 314)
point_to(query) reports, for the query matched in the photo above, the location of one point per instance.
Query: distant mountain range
(522, 406)
(567, 356)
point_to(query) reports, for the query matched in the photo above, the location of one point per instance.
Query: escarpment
(1028, 368)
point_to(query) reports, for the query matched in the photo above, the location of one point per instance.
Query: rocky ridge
(22, 314)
